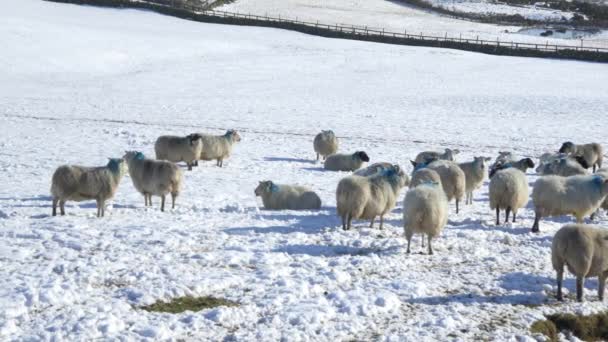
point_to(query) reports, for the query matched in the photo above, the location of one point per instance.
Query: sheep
(429, 156)
(563, 167)
(176, 149)
(346, 162)
(548, 158)
(424, 175)
(452, 177)
(367, 197)
(593, 153)
(425, 211)
(584, 249)
(523, 165)
(325, 143)
(287, 197)
(577, 195)
(372, 169)
(508, 190)
(154, 177)
(218, 147)
(474, 173)
(79, 183)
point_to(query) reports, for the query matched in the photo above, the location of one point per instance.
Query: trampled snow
(80, 84)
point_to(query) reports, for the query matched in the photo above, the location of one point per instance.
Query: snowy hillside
(80, 84)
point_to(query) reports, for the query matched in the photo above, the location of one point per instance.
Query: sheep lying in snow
(367, 197)
(425, 211)
(287, 197)
(154, 177)
(346, 162)
(577, 195)
(522, 165)
(430, 156)
(584, 249)
(564, 167)
(474, 173)
(175, 149)
(218, 147)
(325, 143)
(79, 183)
(424, 175)
(452, 177)
(593, 153)
(509, 191)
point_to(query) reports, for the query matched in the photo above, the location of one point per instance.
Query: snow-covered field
(79, 84)
(396, 16)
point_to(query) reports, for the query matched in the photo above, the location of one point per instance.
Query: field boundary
(203, 12)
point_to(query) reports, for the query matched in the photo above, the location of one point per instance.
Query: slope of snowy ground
(492, 8)
(396, 16)
(79, 84)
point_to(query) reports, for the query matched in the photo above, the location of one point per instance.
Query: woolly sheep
(79, 183)
(549, 158)
(325, 143)
(508, 190)
(175, 149)
(379, 167)
(522, 165)
(425, 211)
(154, 177)
(584, 249)
(429, 156)
(218, 147)
(424, 175)
(563, 167)
(603, 172)
(452, 177)
(346, 162)
(577, 195)
(593, 153)
(474, 173)
(367, 197)
(289, 197)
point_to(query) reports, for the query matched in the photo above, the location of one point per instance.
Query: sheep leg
(593, 168)
(514, 214)
(162, 202)
(62, 206)
(196, 162)
(189, 166)
(430, 247)
(409, 240)
(173, 197)
(423, 241)
(602, 285)
(560, 280)
(381, 221)
(55, 200)
(150, 199)
(317, 157)
(497, 216)
(98, 208)
(349, 221)
(344, 222)
(371, 225)
(457, 206)
(507, 212)
(580, 282)
(536, 222)
(146, 200)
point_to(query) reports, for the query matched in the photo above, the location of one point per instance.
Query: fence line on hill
(202, 11)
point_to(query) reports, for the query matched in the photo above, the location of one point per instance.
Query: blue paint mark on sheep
(274, 188)
(114, 165)
(139, 156)
(598, 180)
(420, 166)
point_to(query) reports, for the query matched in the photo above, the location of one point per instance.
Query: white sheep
(325, 143)
(508, 190)
(287, 197)
(425, 211)
(346, 162)
(593, 153)
(175, 149)
(474, 172)
(424, 175)
(367, 197)
(154, 177)
(564, 167)
(218, 147)
(576, 195)
(79, 183)
(429, 156)
(452, 177)
(584, 249)
(372, 169)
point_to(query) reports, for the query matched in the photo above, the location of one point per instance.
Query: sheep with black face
(346, 162)
(176, 148)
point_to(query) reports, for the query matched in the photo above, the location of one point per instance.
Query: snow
(397, 16)
(80, 84)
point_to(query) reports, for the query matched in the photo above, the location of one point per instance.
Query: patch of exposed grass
(588, 328)
(181, 304)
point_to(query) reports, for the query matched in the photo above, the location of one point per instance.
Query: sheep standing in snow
(346, 162)
(218, 147)
(287, 197)
(474, 173)
(430, 156)
(424, 175)
(452, 177)
(564, 167)
(425, 211)
(372, 169)
(508, 190)
(584, 249)
(367, 197)
(325, 143)
(79, 183)
(175, 149)
(522, 165)
(154, 177)
(577, 195)
(593, 153)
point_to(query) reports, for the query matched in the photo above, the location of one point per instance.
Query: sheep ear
(413, 163)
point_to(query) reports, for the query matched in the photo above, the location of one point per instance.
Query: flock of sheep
(566, 187)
